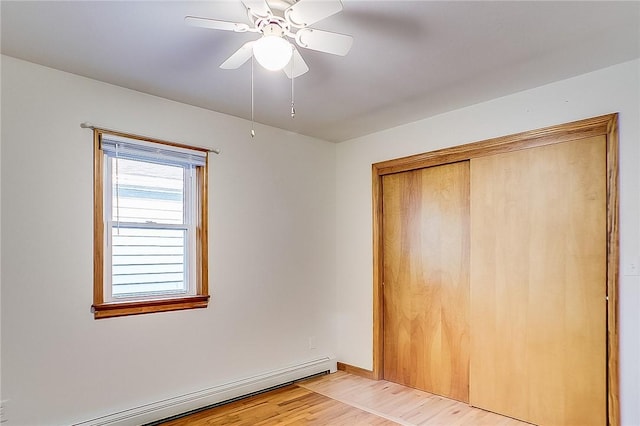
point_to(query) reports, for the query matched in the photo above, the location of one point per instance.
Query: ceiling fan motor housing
(273, 26)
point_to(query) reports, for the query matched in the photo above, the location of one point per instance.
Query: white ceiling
(409, 60)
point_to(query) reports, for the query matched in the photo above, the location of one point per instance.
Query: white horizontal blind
(149, 210)
(147, 192)
(151, 151)
(148, 261)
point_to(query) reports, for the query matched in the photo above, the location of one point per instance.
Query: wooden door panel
(538, 283)
(426, 279)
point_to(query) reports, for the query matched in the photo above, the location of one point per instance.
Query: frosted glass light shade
(272, 52)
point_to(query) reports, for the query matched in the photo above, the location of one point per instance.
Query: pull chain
(253, 132)
(293, 109)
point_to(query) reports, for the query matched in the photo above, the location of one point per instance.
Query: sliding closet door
(538, 283)
(426, 279)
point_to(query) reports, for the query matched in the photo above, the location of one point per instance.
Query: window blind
(149, 261)
(149, 210)
(134, 149)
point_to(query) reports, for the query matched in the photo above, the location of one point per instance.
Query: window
(150, 226)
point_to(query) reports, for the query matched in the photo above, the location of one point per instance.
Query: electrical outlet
(312, 342)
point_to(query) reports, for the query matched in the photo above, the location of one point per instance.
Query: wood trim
(102, 309)
(530, 139)
(117, 309)
(603, 125)
(147, 139)
(613, 264)
(202, 234)
(98, 221)
(356, 371)
(378, 268)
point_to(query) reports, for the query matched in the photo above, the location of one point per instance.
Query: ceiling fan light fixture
(272, 51)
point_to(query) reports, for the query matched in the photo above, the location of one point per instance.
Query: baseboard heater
(191, 402)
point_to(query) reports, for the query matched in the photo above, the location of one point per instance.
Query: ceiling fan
(276, 21)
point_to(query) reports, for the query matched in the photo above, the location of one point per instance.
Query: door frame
(605, 125)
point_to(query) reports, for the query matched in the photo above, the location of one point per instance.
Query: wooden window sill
(117, 309)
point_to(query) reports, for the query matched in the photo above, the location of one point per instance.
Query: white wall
(615, 89)
(289, 214)
(272, 265)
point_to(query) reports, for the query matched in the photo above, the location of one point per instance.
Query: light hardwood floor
(344, 399)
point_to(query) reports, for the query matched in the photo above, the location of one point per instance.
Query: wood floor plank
(404, 405)
(342, 399)
(291, 405)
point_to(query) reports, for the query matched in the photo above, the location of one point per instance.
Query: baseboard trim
(184, 403)
(351, 369)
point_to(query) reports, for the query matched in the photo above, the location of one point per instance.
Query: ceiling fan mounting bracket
(289, 18)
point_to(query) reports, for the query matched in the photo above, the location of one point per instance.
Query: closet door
(538, 283)
(426, 279)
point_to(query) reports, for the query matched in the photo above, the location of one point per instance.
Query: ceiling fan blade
(307, 12)
(258, 8)
(241, 56)
(214, 24)
(299, 65)
(324, 41)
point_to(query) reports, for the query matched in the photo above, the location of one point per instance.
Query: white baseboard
(224, 392)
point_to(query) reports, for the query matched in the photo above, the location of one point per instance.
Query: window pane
(148, 262)
(147, 192)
